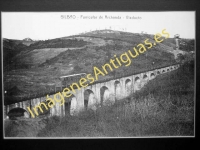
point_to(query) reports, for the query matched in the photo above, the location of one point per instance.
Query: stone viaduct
(103, 93)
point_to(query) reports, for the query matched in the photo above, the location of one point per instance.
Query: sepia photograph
(98, 74)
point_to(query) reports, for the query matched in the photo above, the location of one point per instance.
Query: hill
(38, 66)
(12, 47)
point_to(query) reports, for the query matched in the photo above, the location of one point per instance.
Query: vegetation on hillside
(164, 107)
(37, 67)
(58, 43)
(10, 49)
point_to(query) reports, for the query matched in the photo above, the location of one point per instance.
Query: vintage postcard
(98, 74)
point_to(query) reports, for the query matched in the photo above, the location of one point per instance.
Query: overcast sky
(49, 25)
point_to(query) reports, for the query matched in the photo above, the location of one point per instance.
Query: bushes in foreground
(145, 116)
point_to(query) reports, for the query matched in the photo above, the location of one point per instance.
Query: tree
(180, 58)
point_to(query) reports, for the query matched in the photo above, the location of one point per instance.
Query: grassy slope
(83, 53)
(82, 60)
(165, 106)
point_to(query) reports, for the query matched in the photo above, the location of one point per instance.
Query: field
(164, 107)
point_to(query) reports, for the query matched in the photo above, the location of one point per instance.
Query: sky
(49, 25)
